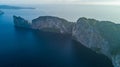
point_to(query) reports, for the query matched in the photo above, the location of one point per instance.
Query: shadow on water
(45, 49)
(89, 57)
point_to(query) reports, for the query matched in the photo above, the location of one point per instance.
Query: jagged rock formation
(46, 23)
(100, 36)
(53, 24)
(1, 12)
(110, 31)
(21, 22)
(89, 36)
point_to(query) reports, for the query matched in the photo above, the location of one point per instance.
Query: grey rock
(53, 24)
(110, 32)
(90, 37)
(91, 33)
(21, 22)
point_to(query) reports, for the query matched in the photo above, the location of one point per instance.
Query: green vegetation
(110, 31)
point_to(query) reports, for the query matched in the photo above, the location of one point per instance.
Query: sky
(86, 2)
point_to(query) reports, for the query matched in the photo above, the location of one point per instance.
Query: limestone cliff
(96, 35)
(53, 24)
(110, 32)
(101, 36)
(90, 37)
(21, 22)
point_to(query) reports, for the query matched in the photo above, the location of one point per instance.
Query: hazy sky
(90, 2)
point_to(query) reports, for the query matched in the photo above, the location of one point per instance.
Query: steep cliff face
(111, 32)
(90, 37)
(100, 36)
(52, 24)
(21, 22)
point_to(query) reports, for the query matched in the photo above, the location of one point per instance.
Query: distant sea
(73, 12)
(29, 48)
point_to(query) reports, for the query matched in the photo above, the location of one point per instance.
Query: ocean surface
(73, 12)
(29, 48)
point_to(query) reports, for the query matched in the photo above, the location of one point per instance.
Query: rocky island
(14, 7)
(100, 36)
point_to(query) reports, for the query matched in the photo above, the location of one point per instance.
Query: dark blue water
(29, 48)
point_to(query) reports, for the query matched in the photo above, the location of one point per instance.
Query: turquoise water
(28, 48)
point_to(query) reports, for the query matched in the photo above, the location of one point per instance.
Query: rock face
(89, 36)
(1, 12)
(52, 24)
(20, 22)
(100, 36)
(111, 32)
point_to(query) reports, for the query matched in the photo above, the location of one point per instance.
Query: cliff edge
(100, 37)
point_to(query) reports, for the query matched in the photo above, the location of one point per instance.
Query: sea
(21, 47)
